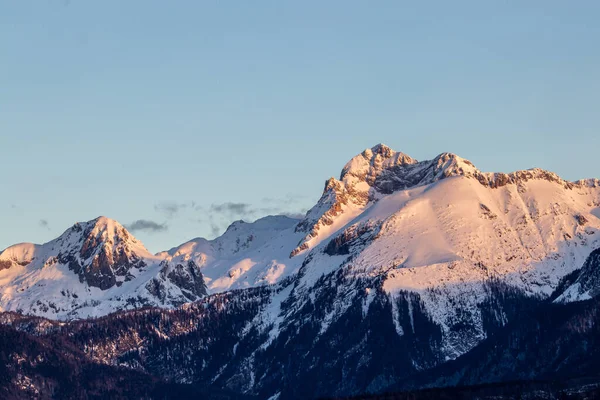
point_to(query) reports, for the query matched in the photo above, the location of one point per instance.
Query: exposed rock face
(352, 239)
(354, 189)
(188, 277)
(370, 164)
(335, 197)
(5, 264)
(581, 220)
(100, 252)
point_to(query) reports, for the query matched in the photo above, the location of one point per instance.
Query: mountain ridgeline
(405, 275)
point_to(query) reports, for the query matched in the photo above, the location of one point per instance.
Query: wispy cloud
(172, 208)
(144, 225)
(233, 209)
(249, 211)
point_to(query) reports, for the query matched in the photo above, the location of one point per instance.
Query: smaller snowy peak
(263, 227)
(240, 236)
(101, 252)
(108, 232)
(93, 268)
(270, 222)
(85, 238)
(246, 254)
(90, 238)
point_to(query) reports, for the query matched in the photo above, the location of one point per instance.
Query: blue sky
(168, 111)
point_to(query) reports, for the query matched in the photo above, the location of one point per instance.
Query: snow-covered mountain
(439, 224)
(409, 262)
(92, 269)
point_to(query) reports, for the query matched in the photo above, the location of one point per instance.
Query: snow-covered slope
(93, 268)
(246, 255)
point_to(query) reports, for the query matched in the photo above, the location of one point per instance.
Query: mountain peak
(103, 223)
(367, 165)
(382, 149)
(101, 231)
(100, 251)
(102, 220)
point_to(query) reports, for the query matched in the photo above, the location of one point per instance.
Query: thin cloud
(172, 208)
(144, 225)
(270, 206)
(234, 209)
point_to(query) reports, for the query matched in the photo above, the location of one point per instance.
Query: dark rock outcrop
(188, 277)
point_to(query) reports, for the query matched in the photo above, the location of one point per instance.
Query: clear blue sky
(166, 110)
